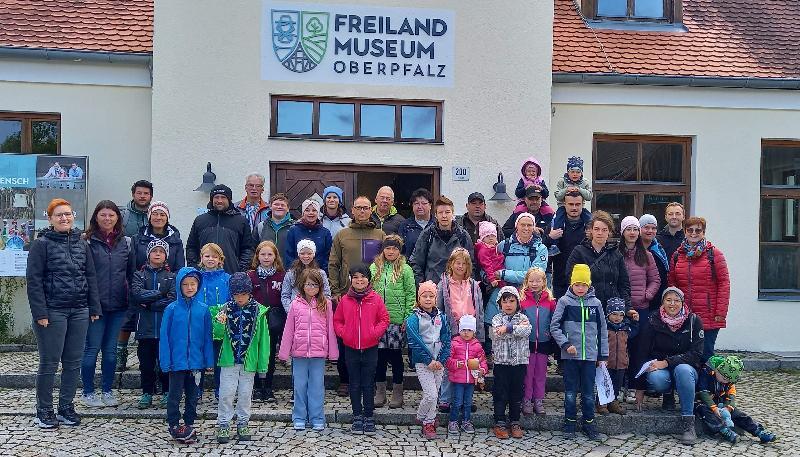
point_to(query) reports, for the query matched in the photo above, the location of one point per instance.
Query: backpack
(709, 254)
(507, 251)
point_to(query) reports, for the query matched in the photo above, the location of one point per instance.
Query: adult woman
(110, 251)
(641, 266)
(609, 274)
(698, 268)
(648, 231)
(62, 291)
(673, 341)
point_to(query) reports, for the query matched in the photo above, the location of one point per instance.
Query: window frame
(673, 13)
(357, 102)
(775, 192)
(26, 133)
(641, 188)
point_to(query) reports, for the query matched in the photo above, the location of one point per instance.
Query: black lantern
(499, 187)
(208, 180)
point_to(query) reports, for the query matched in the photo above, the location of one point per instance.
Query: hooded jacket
(399, 295)
(152, 290)
(309, 333)
(540, 313)
(409, 231)
(214, 289)
(644, 281)
(185, 342)
(289, 291)
(523, 184)
(584, 187)
(462, 350)
(268, 230)
(657, 341)
(706, 293)
(113, 269)
(318, 234)
(432, 251)
(176, 259)
(256, 356)
(60, 274)
(490, 261)
(361, 323)
(335, 224)
(444, 304)
(227, 228)
(578, 321)
(390, 224)
(133, 219)
(428, 336)
(609, 273)
(348, 250)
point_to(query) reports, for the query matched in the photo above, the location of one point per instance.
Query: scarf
(279, 224)
(694, 251)
(264, 273)
(659, 253)
(674, 322)
(309, 225)
(359, 295)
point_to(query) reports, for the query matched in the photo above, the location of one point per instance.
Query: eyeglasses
(693, 230)
(254, 186)
(362, 208)
(67, 215)
(311, 285)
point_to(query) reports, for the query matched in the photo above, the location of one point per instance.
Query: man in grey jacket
(134, 215)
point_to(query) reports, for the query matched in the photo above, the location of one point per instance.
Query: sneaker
(516, 431)
(223, 434)
(164, 399)
(467, 427)
(318, 427)
(538, 407)
(181, 433)
(569, 429)
(68, 416)
(92, 400)
(358, 425)
(108, 399)
(590, 431)
(630, 396)
(299, 426)
(501, 432)
(369, 426)
(453, 429)
(429, 431)
(191, 435)
(243, 433)
(46, 419)
(444, 407)
(145, 401)
(729, 435)
(765, 436)
(527, 407)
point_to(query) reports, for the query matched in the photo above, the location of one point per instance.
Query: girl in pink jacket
(309, 339)
(467, 360)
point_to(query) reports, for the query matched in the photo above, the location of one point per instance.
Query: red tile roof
(730, 38)
(85, 25)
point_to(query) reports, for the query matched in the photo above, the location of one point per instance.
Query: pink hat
(427, 286)
(157, 205)
(629, 221)
(486, 228)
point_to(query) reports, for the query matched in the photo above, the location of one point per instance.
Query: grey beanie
(674, 290)
(647, 219)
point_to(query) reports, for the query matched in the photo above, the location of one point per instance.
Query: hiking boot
(516, 431)
(467, 427)
(601, 409)
(223, 434)
(109, 399)
(243, 433)
(145, 401)
(527, 407)
(538, 407)
(369, 426)
(729, 435)
(429, 431)
(380, 394)
(358, 425)
(122, 356)
(46, 419)
(590, 430)
(688, 437)
(501, 432)
(68, 416)
(397, 396)
(765, 436)
(668, 402)
(92, 400)
(452, 428)
(616, 407)
(569, 428)
(343, 390)
(444, 407)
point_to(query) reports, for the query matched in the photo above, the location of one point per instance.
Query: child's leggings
(430, 381)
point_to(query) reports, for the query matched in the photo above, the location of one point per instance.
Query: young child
(532, 177)
(360, 321)
(184, 351)
(510, 332)
(572, 181)
(393, 280)
(716, 395)
(578, 329)
(538, 305)
(489, 259)
(245, 351)
(306, 250)
(619, 328)
(309, 339)
(214, 291)
(466, 359)
(458, 295)
(152, 290)
(267, 277)
(428, 332)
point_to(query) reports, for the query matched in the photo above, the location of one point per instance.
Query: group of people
(464, 296)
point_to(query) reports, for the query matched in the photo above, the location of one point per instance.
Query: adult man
(134, 216)
(252, 206)
(309, 227)
(533, 204)
(334, 218)
(384, 214)
(359, 243)
(75, 172)
(671, 236)
(566, 239)
(277, 224)
(421, 204)
(476, 213)
(224, 225)
(437, 242)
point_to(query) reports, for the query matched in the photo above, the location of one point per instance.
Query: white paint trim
(693, 97)
(63, 72)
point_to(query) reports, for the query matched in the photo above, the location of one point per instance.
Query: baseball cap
(532, 192)
(476, 196)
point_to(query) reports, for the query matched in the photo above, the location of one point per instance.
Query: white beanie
(306, 244)
(467, 322)
(308, 202)
(629, 221)
(526, 214)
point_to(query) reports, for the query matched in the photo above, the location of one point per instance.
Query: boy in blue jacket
(185, 350)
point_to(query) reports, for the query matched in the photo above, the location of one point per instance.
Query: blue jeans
(101, 337)
(579, 377)
(446, 391)
(709, 341)
(682, 378)
(462, 399)
(309, 390)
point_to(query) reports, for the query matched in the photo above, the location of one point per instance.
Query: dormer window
(658, 11)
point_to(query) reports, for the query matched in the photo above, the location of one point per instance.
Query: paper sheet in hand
(644, 368)
(605, 388)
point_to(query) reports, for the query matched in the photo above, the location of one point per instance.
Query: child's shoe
(145, 401)
(181, 433)
(243, 433)
(452, 428)
(164, 399)
(300, 426)
(429, 431)
(538, 407)
(109, 399)
(191, 435)
(500, 431)
(318, 427)
(765, 436)
(358, 425)
(467, 427)
(516, 431)
(601, 409)
(590, 430)
(444, 407)
(223, 434)
(92, 400)
(729, 435)
(569, 428)
(369, 426)
(527, 407)
(616, 407)
(553, 251)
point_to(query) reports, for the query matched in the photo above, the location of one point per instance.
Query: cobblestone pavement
(768, 396)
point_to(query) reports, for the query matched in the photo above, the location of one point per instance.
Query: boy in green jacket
(241, 324)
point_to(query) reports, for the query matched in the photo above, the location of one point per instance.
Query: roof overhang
(687, 81)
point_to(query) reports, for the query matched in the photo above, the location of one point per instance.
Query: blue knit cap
(574, 162)
(615, 305)
(240, 284)
(336, 190)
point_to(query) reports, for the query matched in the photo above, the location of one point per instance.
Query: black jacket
(61, 274)
(176, 259)
(542, 221)
(152, 290)
(114, 270)
(657, 341)
(230, 230)
(670, 242)
(409, 231)
(573, 236)
(472, 228)
(609, 274)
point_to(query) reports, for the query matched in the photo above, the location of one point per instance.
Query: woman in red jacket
(699, 270)
(360, 321)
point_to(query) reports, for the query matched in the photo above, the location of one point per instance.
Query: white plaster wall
(209, 103)
(725, 174)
